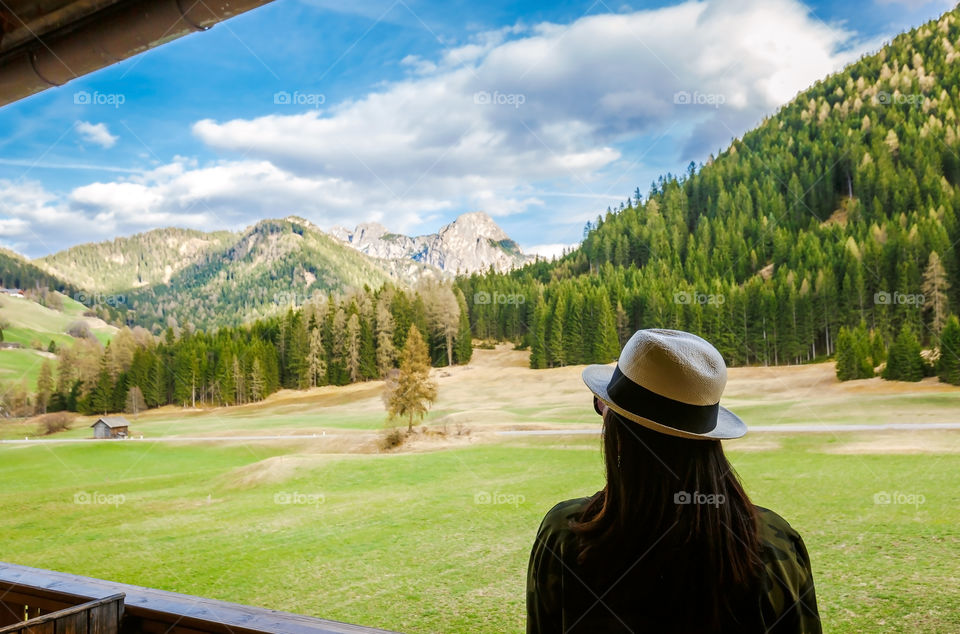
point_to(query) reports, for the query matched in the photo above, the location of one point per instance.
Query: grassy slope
(31, 322)
(399, 542)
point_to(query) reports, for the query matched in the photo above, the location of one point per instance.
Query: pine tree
(576, 346)
(555, 339)
(948, 365)
(409, 392)
(846, 356)
(853, 354)
(101, 399)
(538, 335)
(861, 346)
(463, 344)
(904, 362)
(606, 344)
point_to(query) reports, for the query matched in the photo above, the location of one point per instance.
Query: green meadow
(29, 323)
(406, 541)
(327, 525)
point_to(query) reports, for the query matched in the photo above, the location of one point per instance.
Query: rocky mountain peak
(477, 223)
(473, 242)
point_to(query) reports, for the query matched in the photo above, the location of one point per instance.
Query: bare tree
(443, 313)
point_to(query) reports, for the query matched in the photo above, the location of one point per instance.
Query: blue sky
(410, 113)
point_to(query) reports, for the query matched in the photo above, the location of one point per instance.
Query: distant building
(111, 427)
(11, 292)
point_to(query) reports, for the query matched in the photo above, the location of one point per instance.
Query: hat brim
(729, 425)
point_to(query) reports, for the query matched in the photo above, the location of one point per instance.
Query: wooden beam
(152, 610)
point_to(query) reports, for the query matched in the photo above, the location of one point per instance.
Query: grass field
(399, 540)
(331, 527)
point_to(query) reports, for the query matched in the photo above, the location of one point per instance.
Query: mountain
(267, 268)
(153, 257)
(471, 243)
(841, 208)
(225, 278)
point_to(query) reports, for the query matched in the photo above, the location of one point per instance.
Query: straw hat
(669, 381)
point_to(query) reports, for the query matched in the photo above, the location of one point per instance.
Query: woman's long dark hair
(673, 516)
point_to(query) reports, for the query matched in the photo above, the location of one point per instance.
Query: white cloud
(96, 133)
(529, 104)
(550, 251)
(489, 123)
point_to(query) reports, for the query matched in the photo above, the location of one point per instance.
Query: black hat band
(638, 400)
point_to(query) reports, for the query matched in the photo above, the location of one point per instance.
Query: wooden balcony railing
(48, 602)
(93, 617)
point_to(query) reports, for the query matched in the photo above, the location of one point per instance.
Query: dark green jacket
(563, 597)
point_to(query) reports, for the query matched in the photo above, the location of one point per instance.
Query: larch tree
(410, 391)
(44, 386)
(353, 348)
(935, 286)
(386, 352)
(134, 402)
(257, 381)
(316, 364)
(443, 314)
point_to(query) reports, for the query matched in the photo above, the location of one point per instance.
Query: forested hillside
(330, 341)
(273, 265)
(152, 257)
(17, 272)
(839, 209)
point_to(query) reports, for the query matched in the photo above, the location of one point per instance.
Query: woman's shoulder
(787, 582)
(776, 532)
(557, 519)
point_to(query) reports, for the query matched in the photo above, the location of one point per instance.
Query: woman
(672, 543)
